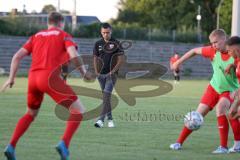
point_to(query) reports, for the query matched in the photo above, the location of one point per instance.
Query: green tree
(226, 16)
(65, 12)
(48, 8)
(169, 14)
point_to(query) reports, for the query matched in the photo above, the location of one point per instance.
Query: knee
(77, 107)
(220, 110)
(32, 113)
(107, 94)
(203, 109)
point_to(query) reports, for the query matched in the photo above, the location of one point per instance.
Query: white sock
(236, 144)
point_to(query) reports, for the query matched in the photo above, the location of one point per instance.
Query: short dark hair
(106, 25)
(55, 18)
(234, 40)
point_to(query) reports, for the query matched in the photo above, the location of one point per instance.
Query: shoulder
(100, 41)
(115, 40)
(209, 50)
(39, 33)
(65, 34)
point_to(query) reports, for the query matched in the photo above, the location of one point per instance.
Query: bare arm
(233, 112)
(19, 55)
(120, 61)
(95, 62)
(76, 59)
(186, 56)
(229, 68)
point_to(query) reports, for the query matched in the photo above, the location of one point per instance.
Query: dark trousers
(107, 83)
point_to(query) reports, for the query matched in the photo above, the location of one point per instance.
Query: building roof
(3, 13)
(68, 18)
(83, 19)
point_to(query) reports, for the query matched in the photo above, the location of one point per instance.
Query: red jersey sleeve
(236, 61)
(208, 52)
(171, 60)
(68, 41)
(29, 45)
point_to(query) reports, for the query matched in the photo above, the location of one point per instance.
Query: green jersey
(220, 81)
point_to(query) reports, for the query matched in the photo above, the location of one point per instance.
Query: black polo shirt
(107, 52)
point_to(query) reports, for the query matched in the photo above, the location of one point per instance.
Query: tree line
(175, 14)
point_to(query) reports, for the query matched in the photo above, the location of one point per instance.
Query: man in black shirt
(107, 59)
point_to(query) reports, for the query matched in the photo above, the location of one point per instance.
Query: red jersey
(237, 64)
(173, 59)
(48, 48)
(209, 52)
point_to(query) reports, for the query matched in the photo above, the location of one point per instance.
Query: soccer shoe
(62, 150)
(221, 150)
(234, 150)
(175, 146)
(99, 124)
(9, 152)
(111, 124)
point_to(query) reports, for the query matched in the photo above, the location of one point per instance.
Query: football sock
(71, 127)
(235, 128)
(183, 135)
(223, 128)
(21, 128)
(178, 78)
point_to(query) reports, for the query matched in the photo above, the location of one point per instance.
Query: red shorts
(211, 97)
(44, 81)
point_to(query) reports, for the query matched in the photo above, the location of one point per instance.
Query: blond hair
(218, 32)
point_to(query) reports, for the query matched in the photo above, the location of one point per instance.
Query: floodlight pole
(74, 16)
(58, 6)
(236, 18)
(218, 12)
(199, 17)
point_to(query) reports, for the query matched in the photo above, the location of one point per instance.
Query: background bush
(19, 26)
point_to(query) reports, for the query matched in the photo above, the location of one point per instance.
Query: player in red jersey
(176, 75)
(48, 49)
(218, 91)
(233, 48)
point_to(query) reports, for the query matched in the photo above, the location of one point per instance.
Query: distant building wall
(41, 19)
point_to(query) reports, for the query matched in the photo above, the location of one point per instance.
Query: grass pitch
(143, 131)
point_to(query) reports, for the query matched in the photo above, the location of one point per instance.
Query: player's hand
(97, 74)
(234, 110)
(111, 73)
(233, 113)
(9, 83)
(89, 76)
(228, 69)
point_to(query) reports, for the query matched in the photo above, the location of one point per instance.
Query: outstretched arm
(186, 56)
(77, 60)
(19, 55)
(95, 65)
(120, 61)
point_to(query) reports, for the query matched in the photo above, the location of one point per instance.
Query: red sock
(223, 130)
(183, 135)
(21, 128)
(71, 127)
(235, 128)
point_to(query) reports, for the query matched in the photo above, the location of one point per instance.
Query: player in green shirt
(218, 92)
